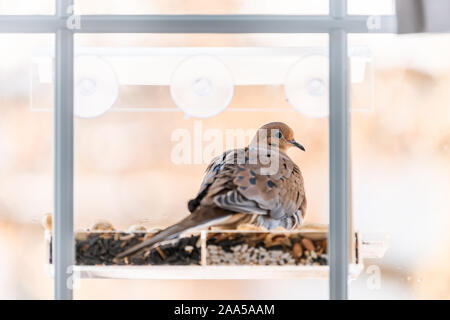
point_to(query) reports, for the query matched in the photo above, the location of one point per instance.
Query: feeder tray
(213, 254)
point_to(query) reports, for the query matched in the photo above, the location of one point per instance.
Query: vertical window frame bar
(339, 154)
(63, 139)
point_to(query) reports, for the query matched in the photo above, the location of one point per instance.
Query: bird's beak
(298, 145)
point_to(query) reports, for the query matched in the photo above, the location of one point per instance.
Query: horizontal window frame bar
(30, 24)
(198, 24)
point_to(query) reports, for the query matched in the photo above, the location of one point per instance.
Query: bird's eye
(279, 135)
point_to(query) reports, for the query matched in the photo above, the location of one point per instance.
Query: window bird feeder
(344, 248)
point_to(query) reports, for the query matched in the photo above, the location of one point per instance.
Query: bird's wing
(267, 183)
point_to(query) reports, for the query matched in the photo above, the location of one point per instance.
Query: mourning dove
(258, 184)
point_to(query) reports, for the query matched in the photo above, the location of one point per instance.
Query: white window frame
(337, 24)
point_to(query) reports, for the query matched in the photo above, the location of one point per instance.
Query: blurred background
(124, 172)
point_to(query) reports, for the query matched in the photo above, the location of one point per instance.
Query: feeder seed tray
(214, 254)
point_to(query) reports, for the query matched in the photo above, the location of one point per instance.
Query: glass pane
(371, 7)
(202, 7)
(128, 170)
(26, 187)
(401, 169)
(27, 6)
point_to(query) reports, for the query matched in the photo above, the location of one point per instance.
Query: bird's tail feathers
(199, 218)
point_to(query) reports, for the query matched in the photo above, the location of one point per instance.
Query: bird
(258, 185)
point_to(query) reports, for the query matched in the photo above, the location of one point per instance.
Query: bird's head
(276, 135)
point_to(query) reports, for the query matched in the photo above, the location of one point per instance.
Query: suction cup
(96, 86)
(202, 86)
(307, 86)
